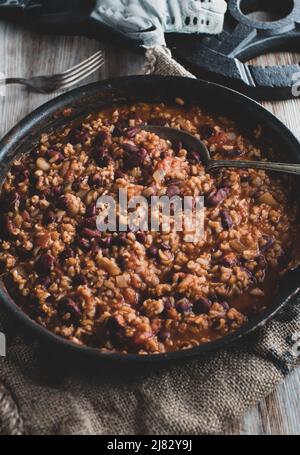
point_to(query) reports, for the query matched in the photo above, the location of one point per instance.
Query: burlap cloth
(43, 394)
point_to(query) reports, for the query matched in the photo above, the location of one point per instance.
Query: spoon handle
(275, 167)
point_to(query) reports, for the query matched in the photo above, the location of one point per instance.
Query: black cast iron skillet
(84, 100)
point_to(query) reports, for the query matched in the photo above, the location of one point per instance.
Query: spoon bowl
(189, 142)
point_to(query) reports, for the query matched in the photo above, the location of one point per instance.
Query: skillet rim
(9, 143)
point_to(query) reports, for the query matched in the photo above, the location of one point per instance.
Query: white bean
(42, 164)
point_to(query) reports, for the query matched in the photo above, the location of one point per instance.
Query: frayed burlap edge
(158, 60)
(10, 421)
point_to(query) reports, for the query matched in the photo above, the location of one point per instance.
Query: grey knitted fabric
(41, 393)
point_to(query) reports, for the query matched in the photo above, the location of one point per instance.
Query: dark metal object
(19, 8)
(215, 58)
(191, 143)
(221, 58)
(149, 89)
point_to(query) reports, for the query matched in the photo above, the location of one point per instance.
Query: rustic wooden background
(23, 53)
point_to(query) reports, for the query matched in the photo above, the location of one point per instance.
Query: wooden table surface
(23, 53)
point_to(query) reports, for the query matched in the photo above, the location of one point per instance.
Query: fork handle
(275, 167)
(12, 80)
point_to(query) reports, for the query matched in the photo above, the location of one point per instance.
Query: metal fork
(48, 84)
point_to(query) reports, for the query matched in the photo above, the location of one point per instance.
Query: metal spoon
(190, 142)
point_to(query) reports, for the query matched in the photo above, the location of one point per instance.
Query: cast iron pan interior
(132, 89)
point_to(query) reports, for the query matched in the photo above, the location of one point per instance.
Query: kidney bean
(20, 172)
(95, 181)
(25, 215)
(268, 243)
(53, 149)
(115, 321)
(106, 242)
(84, 244)
(234, 153)
(206, 131)
(67, 254)
(57, 190)
(106, 253)
(101, 156)
(10, 201)
(229, 260)
(55, 156)
(261, 262)
(7, 226)
(77, 136)
(142, 155)
(119, 174)
(184, 306)
(100, 138)
(130, 148)
(120, 240)
(91, 233)
(177, 146)
(91, 210)
(224, 184)
(248, 272)
(62, 203)
(95, 247)
(225, 305)
(43, 281)
(70, 203)
(51, 193)
(76, 186)
(172, 190)
(152, 252)
(216, 198)
(245, 178)
(158, 121)
(226, 220)
(163, 335)
(194, 157)
(118, 131)
(89, 222)
(141, 237)
(164, 246)
(68, 305)
(132, 132)
(176, 182)
(45, 263)
(168, 303)
(147, 173)
(49, 217)
(116, 329)
(17, 169)
(202, 305)
(80, 280)
(133, 156)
